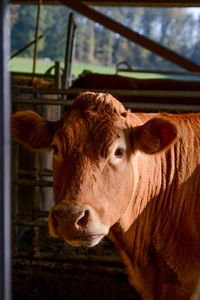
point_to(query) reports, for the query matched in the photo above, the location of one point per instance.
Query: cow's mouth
(86, 241)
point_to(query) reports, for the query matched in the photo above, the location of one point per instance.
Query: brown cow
(132, 177)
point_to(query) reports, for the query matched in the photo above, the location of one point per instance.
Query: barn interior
(46, 268)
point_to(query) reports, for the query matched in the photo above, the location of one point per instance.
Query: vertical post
(5, 208)
(57, 75)
(36, 205)
(69, 52)
(36, 36)
(58, 84)
(15, 188)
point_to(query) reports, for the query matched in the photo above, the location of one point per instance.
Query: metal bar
(73, 258)
(132, 35)
(58, 82)
(32, 182)
(57, 75)
(36, 36)
(15, 167)
(25, 47)
(120, 92)
(29, 223)
(167, 72)
(36, 205)
(40, 172)
(48, 76)
(82, 266)
(69, 52)
(150, 107)
(132, 105)
(135, 93)
(38, 214)
(5, 207)
(111, 265)
(43, 101)
(139, 106)
(148, 3)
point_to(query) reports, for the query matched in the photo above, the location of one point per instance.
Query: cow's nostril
(83, 219)
(59, 214)
(77, 217)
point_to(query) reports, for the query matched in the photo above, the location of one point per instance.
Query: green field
(26, 64)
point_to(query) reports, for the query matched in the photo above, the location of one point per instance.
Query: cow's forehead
(98, 102)
(95, 130)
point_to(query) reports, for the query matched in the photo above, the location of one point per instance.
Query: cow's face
(95, 147)
(93, 178)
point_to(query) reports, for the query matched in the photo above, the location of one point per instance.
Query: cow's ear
(154, 136)
(32, 131)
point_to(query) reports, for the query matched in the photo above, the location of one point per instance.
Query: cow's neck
(135, 225)
(160, 220)
(165, 224)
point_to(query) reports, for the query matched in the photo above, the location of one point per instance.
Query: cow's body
(161, 248)
(133, 177)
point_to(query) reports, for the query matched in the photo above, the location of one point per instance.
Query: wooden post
(36, 36)
(5, 207)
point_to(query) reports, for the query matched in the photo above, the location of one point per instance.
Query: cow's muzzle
(78, 225)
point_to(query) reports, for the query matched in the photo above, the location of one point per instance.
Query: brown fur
(148, 200)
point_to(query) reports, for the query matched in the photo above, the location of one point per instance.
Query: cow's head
(94, 145)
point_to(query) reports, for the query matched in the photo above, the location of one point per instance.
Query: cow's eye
(54, 148)
(119, 152)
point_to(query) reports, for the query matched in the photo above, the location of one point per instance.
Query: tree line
(175, 28)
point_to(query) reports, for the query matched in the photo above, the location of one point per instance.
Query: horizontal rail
(29, 223)
(142, 106)
(31, 182)
(36, 214)
(148, 107)
(94, 266)
(42, 101)
(25, 74)
(131, 70)
(118, 92)
(77, 257)
(183, 73)
(36, 173)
